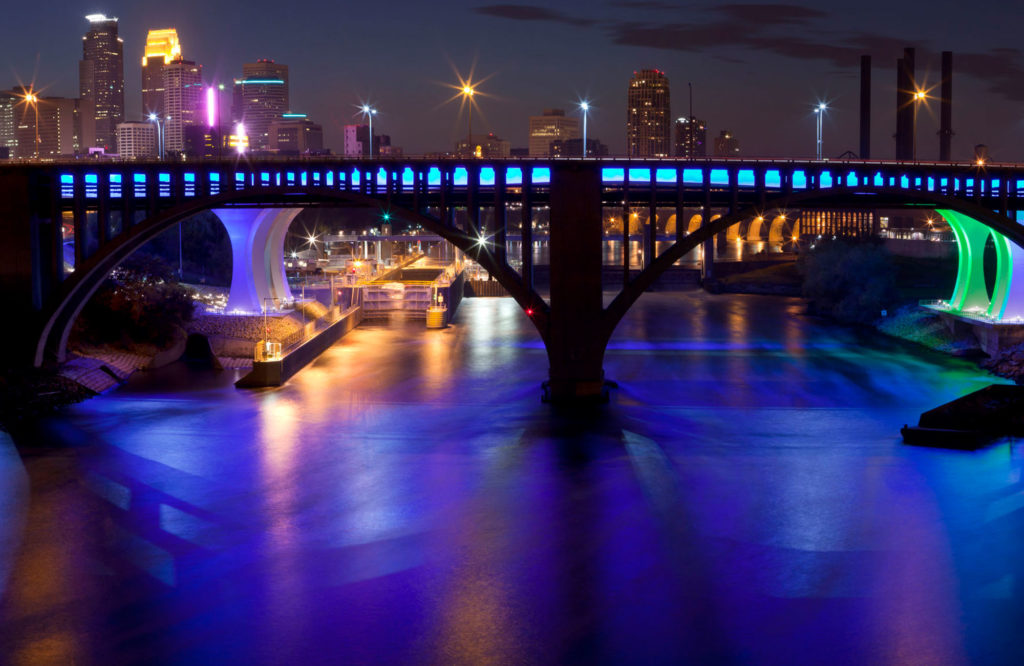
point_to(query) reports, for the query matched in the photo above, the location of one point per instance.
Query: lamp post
(919, 96)
(819, 111)
(32, 100)
(467, 92)
(153, 118)
(368, 111)
(584, 107)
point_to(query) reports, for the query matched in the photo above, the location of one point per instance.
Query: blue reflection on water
(744, 493)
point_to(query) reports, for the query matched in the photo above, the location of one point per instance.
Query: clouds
(787, 30)
(531, 13)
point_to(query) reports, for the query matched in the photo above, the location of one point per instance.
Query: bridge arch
(78, 287)
(972, 224)
(755, 229)
(777, 230)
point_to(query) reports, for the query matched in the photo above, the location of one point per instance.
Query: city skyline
(768, 100)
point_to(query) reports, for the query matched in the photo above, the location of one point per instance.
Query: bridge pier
(257, 252)
(576, 335)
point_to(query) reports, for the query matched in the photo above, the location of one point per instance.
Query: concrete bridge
(476, 204)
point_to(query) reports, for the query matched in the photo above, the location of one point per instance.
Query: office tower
(101, 83)
(295, 134)
(551, 126)
(261, 97)
(162, 47)
(57, 125)
(183, 99)
(648, 115)
(691, 137)
(8, 141)
(137, 140)
(726, 145)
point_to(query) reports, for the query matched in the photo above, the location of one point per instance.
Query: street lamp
(153, 118)
(919, 95)
(368, 111)
(467, 93)
(819, 111)
(32, 100)
(584, 107)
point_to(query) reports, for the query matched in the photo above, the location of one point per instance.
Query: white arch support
(257, 251)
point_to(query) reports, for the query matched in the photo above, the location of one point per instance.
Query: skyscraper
(183, 96)
(8, 142)
(162, 47)
(101, 83)
(649, 117)
(691, 137)
(261, 97)
(552, 126)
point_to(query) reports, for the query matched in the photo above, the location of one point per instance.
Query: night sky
(756, 68)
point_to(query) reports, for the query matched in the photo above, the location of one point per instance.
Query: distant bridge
(116, 207)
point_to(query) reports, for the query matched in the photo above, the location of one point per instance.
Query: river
(745, 497)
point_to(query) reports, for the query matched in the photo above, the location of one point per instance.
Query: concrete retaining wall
(276, 373)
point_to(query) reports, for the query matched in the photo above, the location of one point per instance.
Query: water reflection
(408, 498)
(736, 250)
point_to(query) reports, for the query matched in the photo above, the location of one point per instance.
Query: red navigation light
(529, 312)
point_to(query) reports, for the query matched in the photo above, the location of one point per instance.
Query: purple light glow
(211, 107)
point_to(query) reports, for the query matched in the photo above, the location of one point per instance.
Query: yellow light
(919, 94)
(162, 43)
(981, 162)
(31, 98)
(468, 90)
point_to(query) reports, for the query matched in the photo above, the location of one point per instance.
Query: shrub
(850, 280)
(140, 303)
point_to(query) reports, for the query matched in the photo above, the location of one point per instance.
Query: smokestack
(905, 106)
(946, 109)
(865, 107)
(899, 106)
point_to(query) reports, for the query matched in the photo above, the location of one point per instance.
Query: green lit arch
(970, 295)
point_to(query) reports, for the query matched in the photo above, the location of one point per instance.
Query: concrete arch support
(257, 251)
(971, 293)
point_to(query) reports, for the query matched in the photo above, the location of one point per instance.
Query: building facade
(648, 115)
(294, 134)
(137, 140)
(691, 137)
(487, 146)
(162, 46)
(58, 126)
(260, 98)
(726, 144)
(8, 108)
(183, 99)
(101, 84)
(552, 126)
(574, 148)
